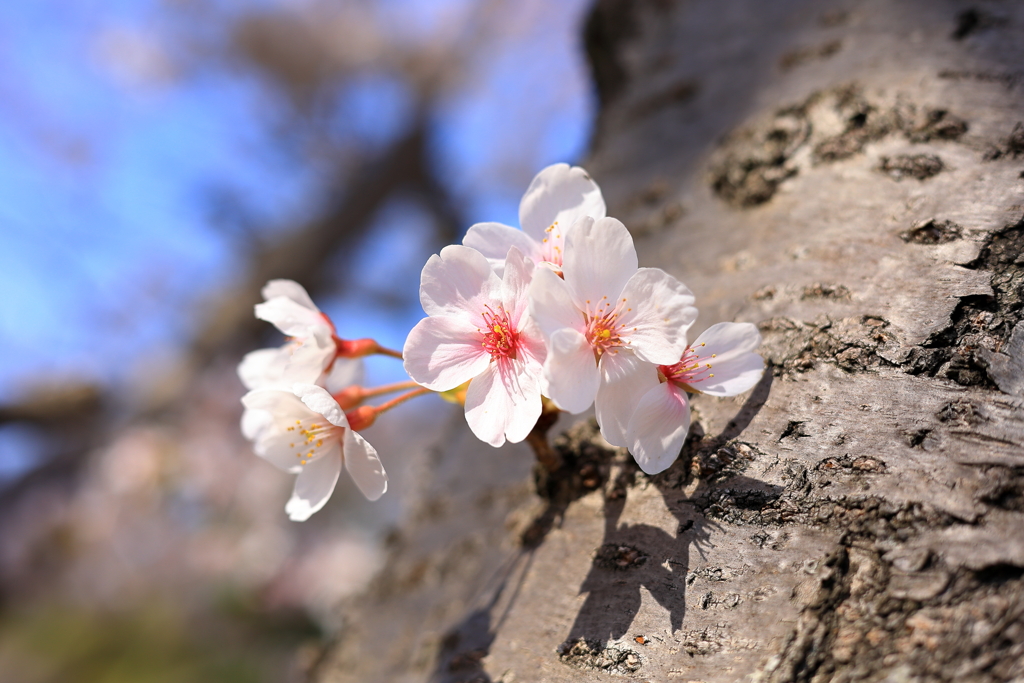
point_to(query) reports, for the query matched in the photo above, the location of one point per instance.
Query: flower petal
(292, 318)
(599, 260)
(502, 402)
(301, 361)
(559, 193)
(657, 430)
(314, 485)
(319, 401)
(442, 353)
(515, 285)
(624, 380)
(493, 240)
(364, 466)
(259, 369)
(255, 422)
(570, 372)
(735, 366)
(658, 310)
(346, 372)
(289, 289)
(551, 304)
(271, 441)
(457, 282)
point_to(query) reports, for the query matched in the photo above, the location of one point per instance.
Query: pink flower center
(604, 331)
(692, 369)
(312, 437)
(501, 339)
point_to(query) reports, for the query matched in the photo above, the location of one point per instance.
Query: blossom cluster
(555, 315)
(561, 309)
(294, 421)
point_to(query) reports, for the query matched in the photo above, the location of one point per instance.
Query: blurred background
(159, 161)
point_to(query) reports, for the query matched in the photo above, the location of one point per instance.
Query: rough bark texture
(847, 175)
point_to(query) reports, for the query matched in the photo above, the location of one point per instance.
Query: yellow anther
(714, 355)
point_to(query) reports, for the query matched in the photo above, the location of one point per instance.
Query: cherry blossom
(608, 324)
(478, 329)
(721, 362)
(310, 349)
(304, 431)
(556, 198)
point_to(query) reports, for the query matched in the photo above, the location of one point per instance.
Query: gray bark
(847, 175)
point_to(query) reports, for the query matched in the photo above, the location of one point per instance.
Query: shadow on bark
(622, 564)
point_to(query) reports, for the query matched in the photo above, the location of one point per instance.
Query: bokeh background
(159, 161)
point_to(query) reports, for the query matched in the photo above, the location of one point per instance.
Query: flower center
(312, 438)
(604, 331)
(501, 339)
(693, 368)
(551, 249)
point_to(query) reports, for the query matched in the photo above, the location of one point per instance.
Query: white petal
(551, 304)
(300, 362)
(263, 368)
(457, 282)
(346, 372)
(364, 466)
(503, 402)
(515, 285)
(314, 485)
(442, 353)
(255, 422)
(488, 407)
(534, 350)
(292, 318)
(733, 376)
(599, 260)
(658, 427)
(735, 367)
(289, 289)
(493, 240)
(658, 312)
(559, 193)
(570, 371)
(624, 380)
(280, 403)
(319, 401)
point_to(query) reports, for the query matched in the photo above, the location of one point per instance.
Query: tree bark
(847, 175)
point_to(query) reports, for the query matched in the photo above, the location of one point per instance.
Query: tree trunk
(847, 175)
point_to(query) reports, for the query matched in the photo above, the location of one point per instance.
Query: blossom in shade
(608, 324)
(305, 432)
(306, 355)
(478, 329)
(557, 197)
(721, 362)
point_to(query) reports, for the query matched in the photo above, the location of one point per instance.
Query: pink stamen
(501, 339)
(691, 369)
(604, 331)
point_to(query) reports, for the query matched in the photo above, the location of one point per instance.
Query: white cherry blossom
(305, 432)
(478, 329)
(555, 199)
(306, 355)
(721, 362)
(608, 324)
